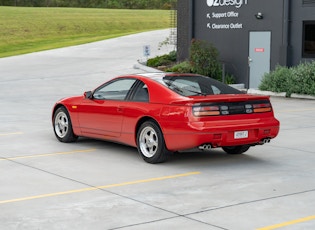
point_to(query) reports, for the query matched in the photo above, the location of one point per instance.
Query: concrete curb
(282, 94)
(300, 96)
(267, 93)
(146, 68)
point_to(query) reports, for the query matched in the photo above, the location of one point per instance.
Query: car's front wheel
(62, 126)
(150, 143)
(236, 149)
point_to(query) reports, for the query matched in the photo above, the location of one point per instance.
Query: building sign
(259, 50)
(217, 3)
(218, 19)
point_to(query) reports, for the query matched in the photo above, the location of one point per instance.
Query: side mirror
(88, 94)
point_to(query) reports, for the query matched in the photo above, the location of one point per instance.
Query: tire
(236, 149)
(62, 126)
(150, 143)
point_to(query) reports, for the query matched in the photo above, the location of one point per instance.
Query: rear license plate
(241, 134)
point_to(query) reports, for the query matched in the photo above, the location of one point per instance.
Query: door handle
(249, 61)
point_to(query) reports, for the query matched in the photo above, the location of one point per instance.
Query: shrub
(302, 80)
(163, 60)
(277, 80)
(299, 79)
(229, 79)
(183, 67)
(204, 59)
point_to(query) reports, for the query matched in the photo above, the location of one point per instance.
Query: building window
(309, 39)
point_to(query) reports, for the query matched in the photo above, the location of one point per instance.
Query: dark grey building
(252, 36)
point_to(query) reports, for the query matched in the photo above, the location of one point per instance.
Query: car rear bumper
(222, 135)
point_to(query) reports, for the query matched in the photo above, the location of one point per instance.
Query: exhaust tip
(265, 141)
(205, 147)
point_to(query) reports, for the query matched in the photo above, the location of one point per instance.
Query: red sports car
(161, 113)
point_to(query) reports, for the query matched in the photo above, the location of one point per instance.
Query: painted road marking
(100, 187)
(9, 134)
(48, 154)
(292, 222)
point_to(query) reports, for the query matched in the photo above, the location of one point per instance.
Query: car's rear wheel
(236, 149)
(150, 143)
(63, 126)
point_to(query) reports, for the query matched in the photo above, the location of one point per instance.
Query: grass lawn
(27, 29)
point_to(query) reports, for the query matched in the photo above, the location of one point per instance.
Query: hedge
(299, 79)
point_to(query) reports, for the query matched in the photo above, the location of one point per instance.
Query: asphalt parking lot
(94, 184)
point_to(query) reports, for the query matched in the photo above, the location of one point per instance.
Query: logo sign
(236, 3)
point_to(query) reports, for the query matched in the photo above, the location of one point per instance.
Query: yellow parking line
(99, 187)
(48, 154)
(8, 134)
(288, 223)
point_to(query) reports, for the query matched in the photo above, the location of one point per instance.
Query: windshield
(195, 85)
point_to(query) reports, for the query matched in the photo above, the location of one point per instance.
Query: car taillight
(262, 107)
(206, 110)
(216, 109)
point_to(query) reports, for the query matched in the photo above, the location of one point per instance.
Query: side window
(115, 90)
(141, 94)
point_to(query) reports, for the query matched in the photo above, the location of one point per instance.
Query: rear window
(196, 85)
